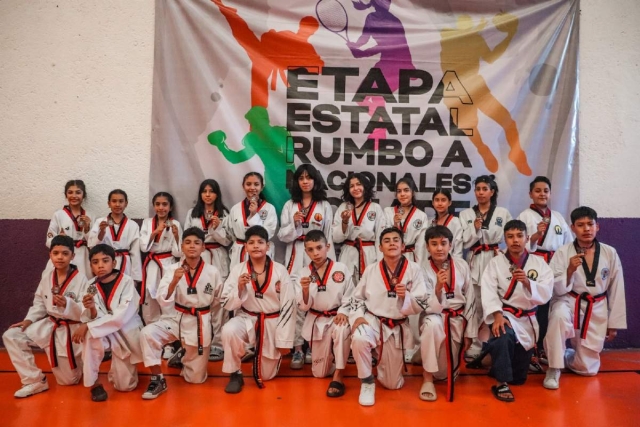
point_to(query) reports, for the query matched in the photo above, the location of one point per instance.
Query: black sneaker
(157, 386)
(176, 360)
(98, 394)
(235, 383)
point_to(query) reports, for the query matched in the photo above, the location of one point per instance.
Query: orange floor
(612, 398)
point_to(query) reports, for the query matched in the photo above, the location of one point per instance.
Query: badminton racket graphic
(333, 16)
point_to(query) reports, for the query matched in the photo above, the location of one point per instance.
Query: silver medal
(92, 289)
(445, 265)
(55, 290)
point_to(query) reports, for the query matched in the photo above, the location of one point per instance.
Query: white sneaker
(167, 352)
(552, 380)
(367, 394)
(307, 357)
(33, 388)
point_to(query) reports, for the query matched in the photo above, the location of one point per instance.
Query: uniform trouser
(333, 347)
(123, 374)
(542, 315)
(19, 347)
(235, 341)
(300, 316)
(390, 364)
(219, 316)
(581, 360)
(509, 360)
(150, 309)
(154, 337)
(484, 332)
(433, 348)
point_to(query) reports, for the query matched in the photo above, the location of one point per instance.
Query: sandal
(428, 392)
(336, 386)
(500, 391)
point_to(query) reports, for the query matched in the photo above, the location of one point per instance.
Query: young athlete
(448, 324)
(548, 231)
(160, 239)
(588, 305)
(52, 318)
(388, 292)
(357, 224)
(209, 214)
(261, 293)
(73, 221)
(121, 233)
(186, 293)
(323, 290)
(482, 234)
(405, 215)
(441, 202)
(307, 210)
(514, 284)
(253, 210)
(111, 323)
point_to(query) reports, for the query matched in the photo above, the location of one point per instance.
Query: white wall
(75, 101)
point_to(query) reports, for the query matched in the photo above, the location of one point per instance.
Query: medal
(546, 219)
(512, 268)
(254, 276)
(92, 289)
(313, 278)
(401, 210)
(80, 223)
(445, 265)
(394, 281)
(185, 267)
(55, 290)
(580, 250)
(110, 222)
(349, 206)
(208, 215)
(168, 223)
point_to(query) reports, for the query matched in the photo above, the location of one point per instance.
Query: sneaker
(351, 360)
(216, 354)
(367, 394)
(33, 388)
(543, 358)
(535, 367)
(176, 359)
(235, 383)
(297, 361)
(168, 352)
(307, 357)
(552, 380)
(157, 386)
(470, 357)
(98, 393)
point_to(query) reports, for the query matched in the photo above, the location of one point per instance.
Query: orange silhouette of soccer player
(273, 52)
(462, 49)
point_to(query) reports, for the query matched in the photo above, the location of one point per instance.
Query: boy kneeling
(324, 289)
(112, 323)
(448, 324)
(264, 297)
(49, 324)
(588, 305)
(387, 293)
(514, 284)
(185, 295)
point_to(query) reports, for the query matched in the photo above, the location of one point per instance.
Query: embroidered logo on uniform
(605, 273)
(499, 221)
(318, 217)
(371, 216)
(71, 295)
(337, 276)
(208, 289)
(67, 228)
(532, 274)
(469, 222)
(49, 235)
(263, 214)
(417, 224)
(278, 286)
(558, 230)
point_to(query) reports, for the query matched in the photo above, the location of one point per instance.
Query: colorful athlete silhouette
(391, 44)
(462, 48)
(272, 144)
(273, 52)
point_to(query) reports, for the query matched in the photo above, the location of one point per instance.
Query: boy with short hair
(112, 323)
(185, 294)
(388, 292)
(52, 318)
(261, 293)
(514, 284)
(324, 289)
(448, 325)
(548, 231)
(588, 305)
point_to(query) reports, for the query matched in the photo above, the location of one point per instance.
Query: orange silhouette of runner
(273, 52)
(462, 49)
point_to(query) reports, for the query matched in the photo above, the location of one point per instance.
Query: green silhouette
(272, 144)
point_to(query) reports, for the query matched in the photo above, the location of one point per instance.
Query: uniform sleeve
(457, 238)
(345, 306)
(434, 305)
(558, 265)
(122, 313)
(337, 234)
(542, 287)
(295, 280)
(145, 235)
(38, 309)
(616, 297)
(74, 309)
(469, 233)
(357, 305)
(176, 246)
(286, 328)
(532, 228)
(288, 231)
(381, 224)
(491, 302)
(415, 300)
(220, 234)
(567, 235)
(230, 299)
(134, 252)
(165, 300)
(327, 228)
(53, 230)
(470, 307)
(270, 223)
(93, 240)
(421, 245)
